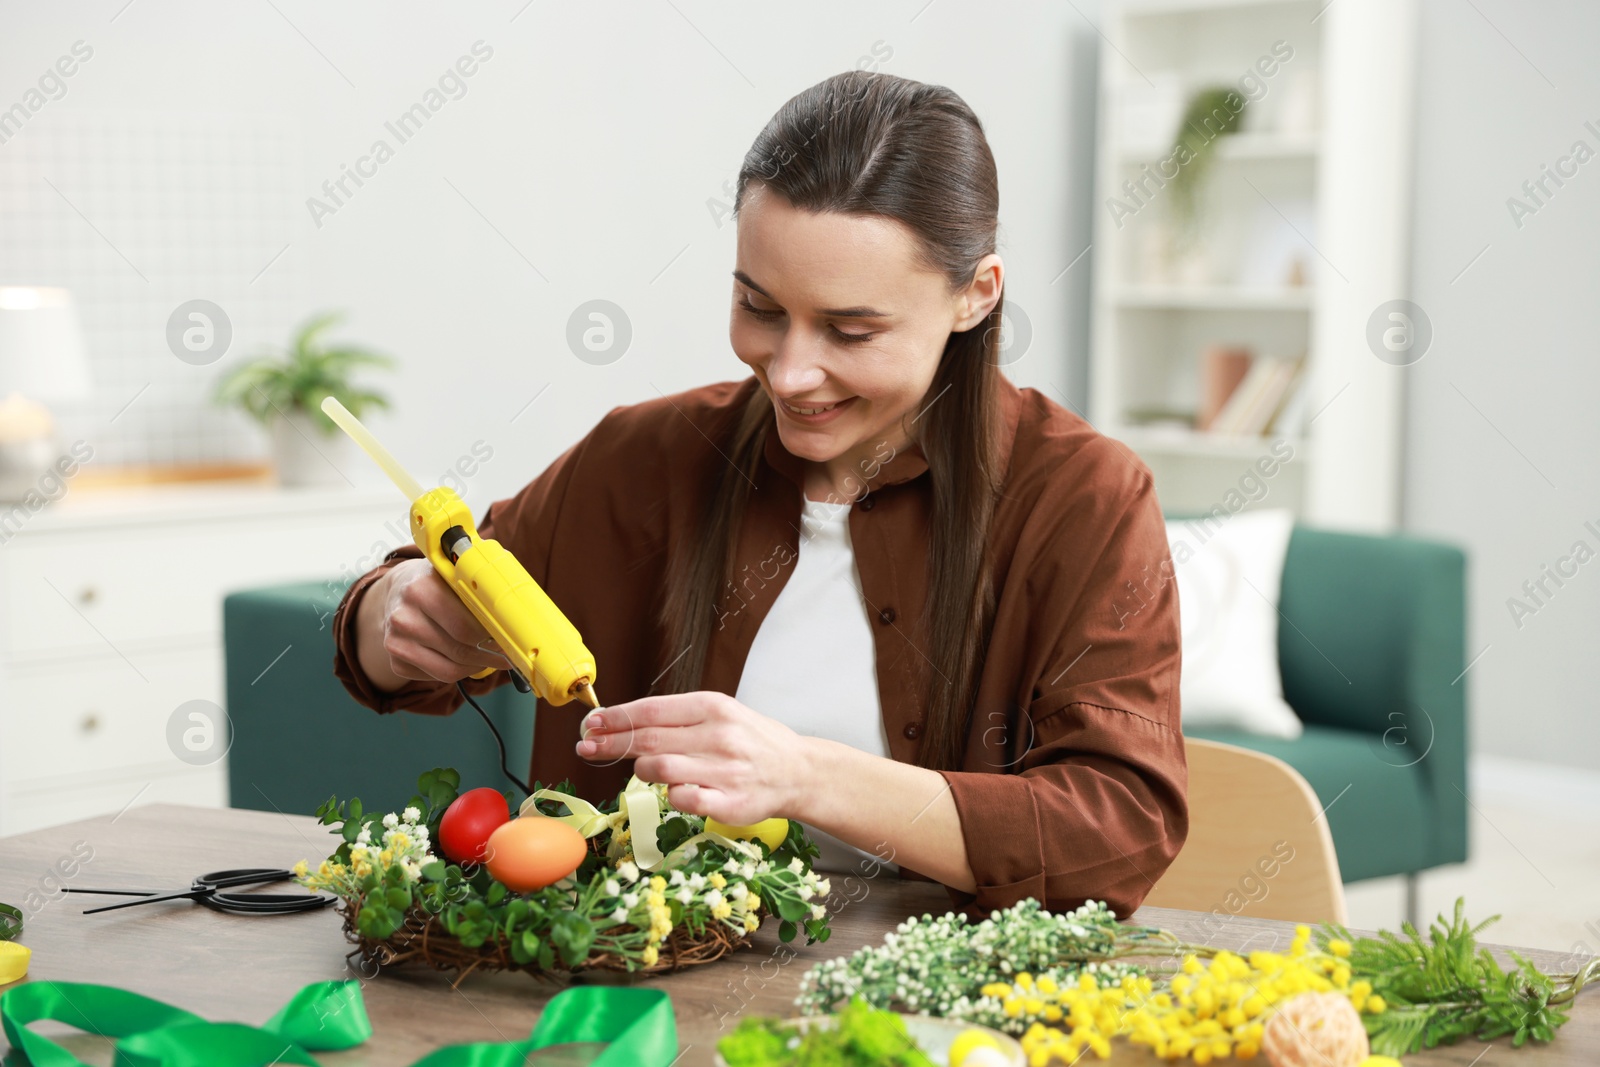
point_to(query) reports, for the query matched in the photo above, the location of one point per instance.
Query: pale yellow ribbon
(639, 808)
(583, 816)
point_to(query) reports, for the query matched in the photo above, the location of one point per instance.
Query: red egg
(534, 851)
(469, 820)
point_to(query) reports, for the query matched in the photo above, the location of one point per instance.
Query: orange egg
(534, 851)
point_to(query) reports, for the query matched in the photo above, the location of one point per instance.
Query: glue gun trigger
(517, 678)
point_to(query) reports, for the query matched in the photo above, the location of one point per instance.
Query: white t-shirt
(812, 665)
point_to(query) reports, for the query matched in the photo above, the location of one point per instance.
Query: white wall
(593, 140)
(1503, 438)
(590, 142)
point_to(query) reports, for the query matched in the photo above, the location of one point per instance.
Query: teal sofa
(299, 738)
(1371, 649)
(1372, 645)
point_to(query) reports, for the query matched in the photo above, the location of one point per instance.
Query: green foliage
(798, 843)
(1444, 988)
(597, 910)
(862, 1035)
(573, 935)
(755, 1042)
(934, 965)
(1208, 117)
(275, 384)
(674, 831)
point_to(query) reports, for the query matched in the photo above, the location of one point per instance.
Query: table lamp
(43, 361)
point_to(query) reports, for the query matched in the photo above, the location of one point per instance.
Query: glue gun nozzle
(589, 697)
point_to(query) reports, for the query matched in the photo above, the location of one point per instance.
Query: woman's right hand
(411, 627)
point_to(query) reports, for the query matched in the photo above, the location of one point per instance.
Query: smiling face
(843, 325)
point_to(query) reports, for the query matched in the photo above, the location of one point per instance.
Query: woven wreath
(656, 891)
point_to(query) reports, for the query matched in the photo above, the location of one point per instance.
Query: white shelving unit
(1317, 176)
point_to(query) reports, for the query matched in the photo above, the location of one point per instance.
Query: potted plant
(1207, 119)
(1179, 252)
(283, 390)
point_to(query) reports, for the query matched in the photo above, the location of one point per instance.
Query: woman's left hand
(717, 757)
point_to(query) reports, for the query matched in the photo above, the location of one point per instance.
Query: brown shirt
(1074, 780)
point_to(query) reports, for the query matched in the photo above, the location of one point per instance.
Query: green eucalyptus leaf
(672, 832)
(789, 907)
(573, 935)
(377, 921)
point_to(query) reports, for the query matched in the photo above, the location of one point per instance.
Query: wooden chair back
(1258, 842)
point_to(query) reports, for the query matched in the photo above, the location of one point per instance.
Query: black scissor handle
(254, 903)
(264, 903)
(242, 876)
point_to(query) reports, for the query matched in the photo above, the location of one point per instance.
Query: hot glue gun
(545, 650)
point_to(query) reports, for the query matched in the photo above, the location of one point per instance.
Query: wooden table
(244, 968)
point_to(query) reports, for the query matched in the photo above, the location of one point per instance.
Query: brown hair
(874, 144)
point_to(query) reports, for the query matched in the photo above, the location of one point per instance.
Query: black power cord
(498, 740)
(454, 542)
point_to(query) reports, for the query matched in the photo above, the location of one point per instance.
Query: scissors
(205, 890)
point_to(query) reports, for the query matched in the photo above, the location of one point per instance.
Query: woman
(874, 586)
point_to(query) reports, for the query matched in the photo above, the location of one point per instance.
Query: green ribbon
(10, 922)
(637, 1026)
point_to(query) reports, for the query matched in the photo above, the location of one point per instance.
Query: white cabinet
(111, 620)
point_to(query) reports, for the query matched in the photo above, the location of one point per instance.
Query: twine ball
(1315, 1030)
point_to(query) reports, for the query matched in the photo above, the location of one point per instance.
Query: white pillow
(1230, 674)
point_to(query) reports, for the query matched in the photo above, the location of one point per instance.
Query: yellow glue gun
(544, 648)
